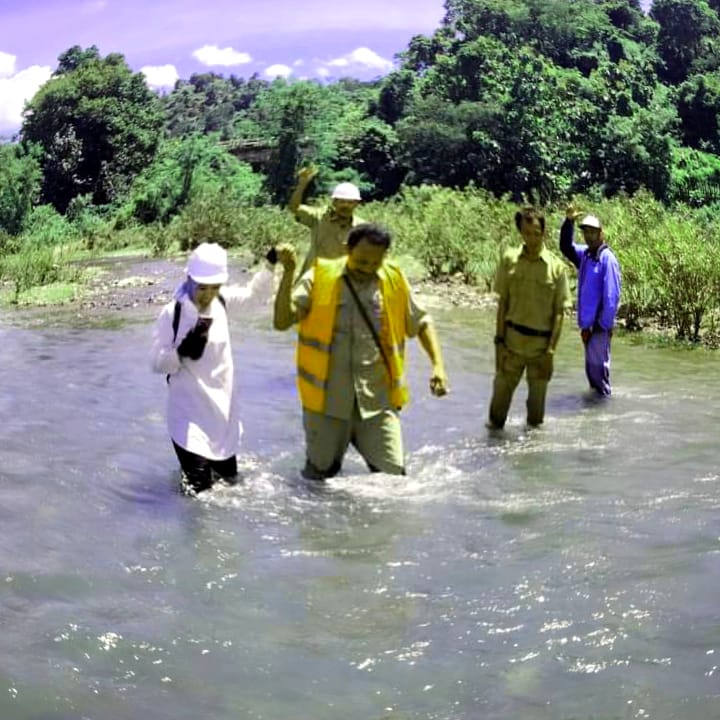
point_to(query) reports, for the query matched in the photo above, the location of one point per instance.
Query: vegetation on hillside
(508, 101)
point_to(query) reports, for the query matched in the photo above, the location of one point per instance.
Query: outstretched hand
(572, 212)
(287, 257)
(306, 174)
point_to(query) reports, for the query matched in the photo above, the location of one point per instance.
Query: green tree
(372, 148)
(395, 94)
(98, 125)
(20, 179)
(695, 178)
(187, 167)
(698, 103)
(688, 31)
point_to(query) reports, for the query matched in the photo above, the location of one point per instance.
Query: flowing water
(570, 572)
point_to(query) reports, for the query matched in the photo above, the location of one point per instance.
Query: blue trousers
(597, 361)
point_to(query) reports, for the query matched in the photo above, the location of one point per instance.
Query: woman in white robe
(191, 345)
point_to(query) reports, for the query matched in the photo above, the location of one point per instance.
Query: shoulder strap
(596, 255)
(176, 318)
(368, 322)
(175, 324)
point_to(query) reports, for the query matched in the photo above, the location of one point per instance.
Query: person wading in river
(191, 346)
(328, 226)
(532, 289)
(598, 293)
(354, 315)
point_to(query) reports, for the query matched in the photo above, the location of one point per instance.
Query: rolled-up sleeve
(308, 216)
(417, 316)
(500, 282)
(563, 299)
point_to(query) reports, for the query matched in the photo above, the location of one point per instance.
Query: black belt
(528, 331)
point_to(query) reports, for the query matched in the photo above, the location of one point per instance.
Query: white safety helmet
(346, 191)
(208, 264)
(590, 221)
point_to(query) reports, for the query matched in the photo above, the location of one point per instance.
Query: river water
(567, 573)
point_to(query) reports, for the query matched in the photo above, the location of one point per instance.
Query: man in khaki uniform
(533, 293)
(329, 226)
(351, 377)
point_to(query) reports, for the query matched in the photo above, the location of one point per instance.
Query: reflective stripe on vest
(316, 331)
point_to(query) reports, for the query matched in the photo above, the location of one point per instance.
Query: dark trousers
(199, 471)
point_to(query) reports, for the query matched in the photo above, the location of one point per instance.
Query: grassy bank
(670, 258)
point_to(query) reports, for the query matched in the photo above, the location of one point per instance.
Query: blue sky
(167, 39)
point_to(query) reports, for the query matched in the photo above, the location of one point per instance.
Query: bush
(186, 168)
(670, 262)
(695, 178)
(33, 266)
(208, 217)
(453, 233)
(45, 227)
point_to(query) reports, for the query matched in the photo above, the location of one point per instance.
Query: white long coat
(202, 406)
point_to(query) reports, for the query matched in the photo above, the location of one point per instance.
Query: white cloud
(15, 91)
(226, 57)
(357, 63)
(299, 63)
(160, 76)
(278, 70)
(7, 64)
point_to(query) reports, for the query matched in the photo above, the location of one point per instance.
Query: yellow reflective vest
(316, 332)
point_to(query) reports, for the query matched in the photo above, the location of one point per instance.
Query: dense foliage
(507, 101)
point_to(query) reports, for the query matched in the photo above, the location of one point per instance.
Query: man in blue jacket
(598, 293)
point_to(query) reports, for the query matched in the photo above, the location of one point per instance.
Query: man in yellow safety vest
(354, 314)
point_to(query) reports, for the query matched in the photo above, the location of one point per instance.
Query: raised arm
(567, 234)
(567, 247)
(259, 289)
(305, 176)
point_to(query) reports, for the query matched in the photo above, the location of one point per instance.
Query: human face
(365, 259)
(532, 234)
(593, 237)
(344, 208)
(204, 295)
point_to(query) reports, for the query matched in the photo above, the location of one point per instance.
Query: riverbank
(118, 289)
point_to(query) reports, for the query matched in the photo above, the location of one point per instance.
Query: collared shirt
(357, 371)
(535, 290)
(328, 233)
(599, 281)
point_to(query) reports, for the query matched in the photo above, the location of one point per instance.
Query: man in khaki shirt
(532, 288)
(328, 226)
(358, 405)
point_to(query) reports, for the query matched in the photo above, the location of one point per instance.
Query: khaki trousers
(521, 354)
(378, 439)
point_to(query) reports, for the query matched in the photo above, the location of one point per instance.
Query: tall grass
(34, 266)
(670, 258)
